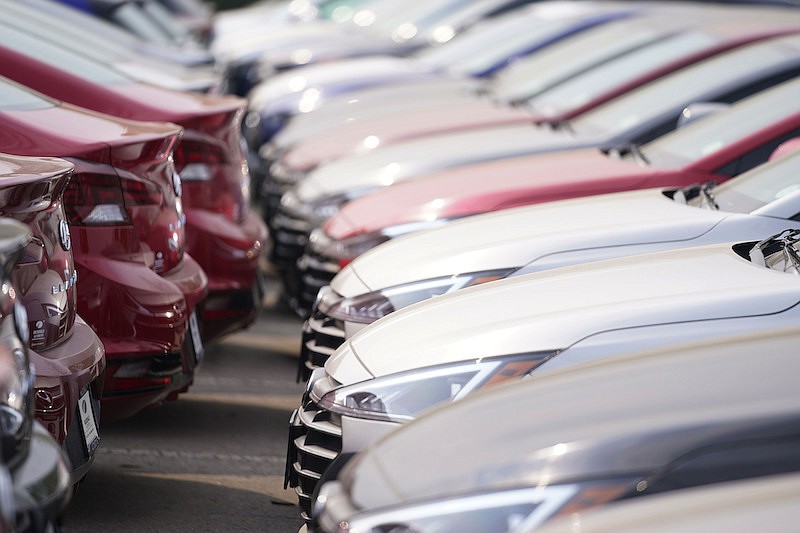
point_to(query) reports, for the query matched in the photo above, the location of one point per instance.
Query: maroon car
(222, 234)
(137, 288)
(65, 351)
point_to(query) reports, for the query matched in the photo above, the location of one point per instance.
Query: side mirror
(698, 110)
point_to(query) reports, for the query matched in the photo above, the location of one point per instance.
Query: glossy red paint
(67, 354)
(222, 234)
(136, 287)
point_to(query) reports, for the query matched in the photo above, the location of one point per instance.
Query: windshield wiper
(784, 242)
(703, 190)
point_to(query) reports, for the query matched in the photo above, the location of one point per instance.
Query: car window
(715, 132)
(584, 88)
(758, 187)
(16, 97)
(56, 56)
(680, 88)
(482, 48)
(533, 74)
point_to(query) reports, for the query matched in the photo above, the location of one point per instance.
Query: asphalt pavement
(214, 459)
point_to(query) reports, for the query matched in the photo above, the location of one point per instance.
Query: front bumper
(63, 373)
(230, 254)
(320, 440)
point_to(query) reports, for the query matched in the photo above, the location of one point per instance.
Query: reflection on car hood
(555, 309)
(403, 160)
(543, 234)
(597, 421)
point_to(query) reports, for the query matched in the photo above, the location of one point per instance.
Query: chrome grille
(315, 272)
(315, 440)
(321, 336)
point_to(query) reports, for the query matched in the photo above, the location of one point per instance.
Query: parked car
(36, 466)
(730, 507)
(67, 354)
(586, 438)
(476, 54)
(128, 232)
(222, 233)
(157, 61)
(565, 174)
(457, 344)
(146, 18)
(385, 28)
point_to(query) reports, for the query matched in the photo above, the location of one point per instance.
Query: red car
(222, 234)
(136, 286)
(65, 351)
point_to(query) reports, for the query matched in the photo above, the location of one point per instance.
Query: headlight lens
(403, 396)
(321, 209)
(369, 307)
(509, 511)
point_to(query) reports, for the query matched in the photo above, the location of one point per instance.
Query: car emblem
(63, 231)
(176, 183)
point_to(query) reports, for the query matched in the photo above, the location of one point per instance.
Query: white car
(630, 429)
(446, 348)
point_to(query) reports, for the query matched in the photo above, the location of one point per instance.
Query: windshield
(758, 187)
(58, 57)
(532, 75)
(485, 46)
(131, 16)
(15, 97)
(673, 92)
(85, 35)
(710, 134)
(585, 87)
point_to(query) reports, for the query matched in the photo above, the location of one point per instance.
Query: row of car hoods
(547, 255)
(126, 236)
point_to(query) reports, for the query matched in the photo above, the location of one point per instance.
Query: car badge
(176, 183)
(66, 239)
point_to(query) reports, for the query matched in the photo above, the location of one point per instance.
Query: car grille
(315, 271)
(315, 440)
(321, 336)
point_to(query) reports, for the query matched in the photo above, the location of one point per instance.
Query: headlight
(284, 175)
(403, 396)
(507, 511)
(369, 307)
(345, 250)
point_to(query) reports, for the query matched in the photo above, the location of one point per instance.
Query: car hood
(361, 136)
(492, 186)
(555, 309)
(402, 161)
(704, 394)
(530, 236)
